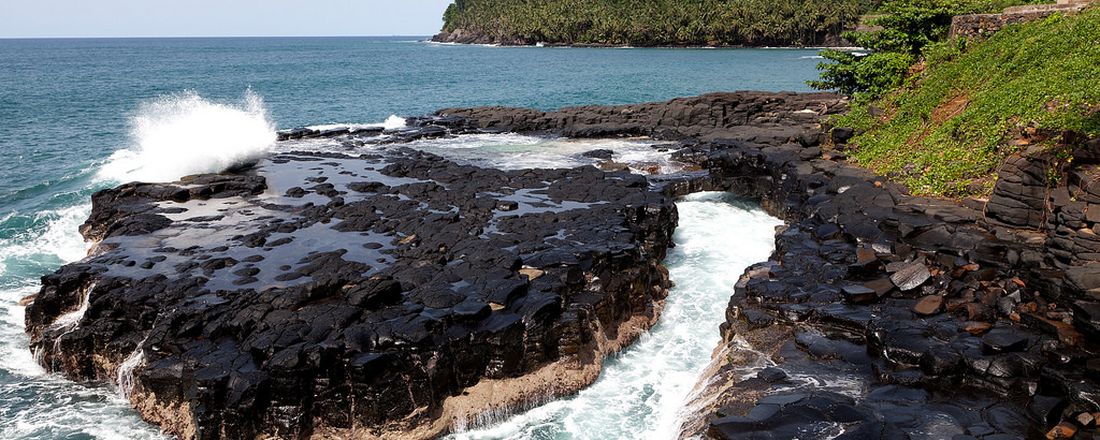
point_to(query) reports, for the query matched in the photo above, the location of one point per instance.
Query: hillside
(651, 22)
(969, 105)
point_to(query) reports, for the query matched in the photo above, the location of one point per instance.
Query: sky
(171, 18)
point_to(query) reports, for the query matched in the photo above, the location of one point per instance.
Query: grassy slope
(950, 126)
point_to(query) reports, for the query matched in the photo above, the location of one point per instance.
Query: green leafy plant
(905, 29)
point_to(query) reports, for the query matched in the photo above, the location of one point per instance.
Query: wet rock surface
(332, 292)
(880, 315)
(976, 320)
(749, 116)
(888, 315)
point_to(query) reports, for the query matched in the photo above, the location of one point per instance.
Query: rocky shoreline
(880, 315)
(322, 295)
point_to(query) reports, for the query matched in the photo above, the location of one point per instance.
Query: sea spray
(37, 405)
(393, 122)
(184, 133)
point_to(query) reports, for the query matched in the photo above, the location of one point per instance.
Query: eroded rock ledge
(882, 315)
(332, 296)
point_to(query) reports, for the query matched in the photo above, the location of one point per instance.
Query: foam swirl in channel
(184, 133)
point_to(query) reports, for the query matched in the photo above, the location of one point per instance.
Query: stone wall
(983, 25)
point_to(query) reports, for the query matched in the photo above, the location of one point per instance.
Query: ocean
(79, 115)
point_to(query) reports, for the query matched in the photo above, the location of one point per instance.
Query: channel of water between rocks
(642, 390)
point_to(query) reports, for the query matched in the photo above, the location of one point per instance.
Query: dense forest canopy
(655, 22)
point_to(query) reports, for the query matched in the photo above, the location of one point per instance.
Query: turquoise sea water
(67, 105)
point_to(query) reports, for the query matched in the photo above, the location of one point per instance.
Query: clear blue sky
(148, 18)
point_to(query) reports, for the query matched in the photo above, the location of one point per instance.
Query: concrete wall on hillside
(982, 25)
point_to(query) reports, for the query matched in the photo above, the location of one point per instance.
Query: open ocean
(79, 115)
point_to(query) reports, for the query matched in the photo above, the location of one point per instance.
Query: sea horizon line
(170, 37)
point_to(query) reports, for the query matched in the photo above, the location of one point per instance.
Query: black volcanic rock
(856, 258)
(599, 154)
(910, 275)
(266, 303)
(846, 275)
(411, 281)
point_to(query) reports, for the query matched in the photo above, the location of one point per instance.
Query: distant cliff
(651, 22)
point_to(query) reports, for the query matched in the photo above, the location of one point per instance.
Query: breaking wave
(184, 133)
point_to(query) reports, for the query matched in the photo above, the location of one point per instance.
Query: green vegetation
(968, 104)
(905, 28)
(656, 22)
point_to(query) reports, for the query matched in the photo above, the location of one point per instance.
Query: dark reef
(321, 295)
(330, 294)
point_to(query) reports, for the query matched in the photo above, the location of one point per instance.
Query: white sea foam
(451, 43)
(184, 133)
(59, 238)
(511, 151)
(14, 356)
(641, 391)
(514, 151)
(70, 320)
(393, 122)
(41, 405)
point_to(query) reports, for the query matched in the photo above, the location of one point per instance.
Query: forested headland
(652, 22)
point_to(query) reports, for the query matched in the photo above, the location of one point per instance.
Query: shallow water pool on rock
(642, 390)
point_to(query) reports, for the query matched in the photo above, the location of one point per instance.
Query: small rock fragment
(976, 328)
(1003, 340)
(859, 294)
(865, 256)
(881, 286)
(1086, 420)
(532, 273)
(929, 305)
(1061, 431)
(774, 375)
(910, 276)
